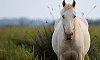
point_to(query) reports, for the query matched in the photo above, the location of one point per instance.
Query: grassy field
(17, 43)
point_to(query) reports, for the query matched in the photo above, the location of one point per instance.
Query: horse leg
(58, 57)
(62, 58)
(80, 57)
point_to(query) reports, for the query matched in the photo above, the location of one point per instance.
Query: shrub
(10, 51)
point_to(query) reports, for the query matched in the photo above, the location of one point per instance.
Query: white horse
(71, 39)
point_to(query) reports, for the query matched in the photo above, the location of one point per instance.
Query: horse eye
(63, 16)
(74, 16)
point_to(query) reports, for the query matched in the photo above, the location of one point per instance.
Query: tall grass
(17, 43)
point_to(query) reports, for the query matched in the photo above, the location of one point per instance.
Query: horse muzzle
(69, 36)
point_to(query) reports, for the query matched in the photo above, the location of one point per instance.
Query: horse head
(68, 19)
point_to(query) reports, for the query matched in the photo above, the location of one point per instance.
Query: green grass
(10, 51)
(94, 52)
(17, 43)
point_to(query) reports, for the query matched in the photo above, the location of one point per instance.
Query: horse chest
(68, 49)
(68, 45)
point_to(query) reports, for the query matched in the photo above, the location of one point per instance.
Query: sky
(37, 9)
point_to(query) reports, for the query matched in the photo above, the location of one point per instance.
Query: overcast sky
(35, 9)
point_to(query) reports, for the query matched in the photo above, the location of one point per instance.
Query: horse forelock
(67, 7)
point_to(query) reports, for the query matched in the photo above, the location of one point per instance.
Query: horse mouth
(69, 39)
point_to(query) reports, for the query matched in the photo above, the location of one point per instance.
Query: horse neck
(77, 28)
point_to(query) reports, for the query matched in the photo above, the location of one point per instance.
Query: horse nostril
(68, 38)
(65, 33)
(71, 33)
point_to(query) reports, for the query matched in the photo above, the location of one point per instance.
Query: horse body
(78, 46)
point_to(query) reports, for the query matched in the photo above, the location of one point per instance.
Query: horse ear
(74, 3)
(64, 3)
